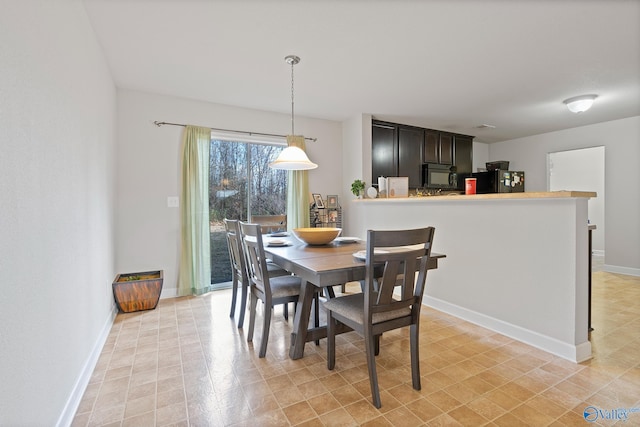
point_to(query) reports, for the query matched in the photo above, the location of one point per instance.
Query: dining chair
(270, 223)
(263, 286)
(391, 299)
(239, 271)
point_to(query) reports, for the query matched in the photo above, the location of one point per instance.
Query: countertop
(525, 195)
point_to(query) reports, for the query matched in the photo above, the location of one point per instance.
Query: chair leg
(234, 291)
(285, 310)
(316, 312)
(369, 342)
(331, 341)
(253, 305)
(376, 340)
(265, 331)
(243, 304)
(415, 356)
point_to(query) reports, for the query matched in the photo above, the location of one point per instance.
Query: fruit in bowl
(318, 235)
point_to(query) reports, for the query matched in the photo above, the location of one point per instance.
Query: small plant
(357, 187)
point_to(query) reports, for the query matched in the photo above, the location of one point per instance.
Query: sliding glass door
(241, 184)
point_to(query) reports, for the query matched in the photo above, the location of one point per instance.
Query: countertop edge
(494, 196)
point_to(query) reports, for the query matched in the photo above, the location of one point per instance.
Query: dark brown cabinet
(384, 150)
(401, 150)
(396, 150)
(463, 153)
(410, 141)
(438, 147)
(431, 146)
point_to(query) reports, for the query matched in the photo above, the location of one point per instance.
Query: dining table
(321, 266)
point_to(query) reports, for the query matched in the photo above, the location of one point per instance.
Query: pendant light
(292, 157)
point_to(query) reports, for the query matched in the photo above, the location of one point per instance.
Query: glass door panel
(241, 184)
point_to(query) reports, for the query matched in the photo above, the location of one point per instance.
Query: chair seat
(284, 286)
(352, 308)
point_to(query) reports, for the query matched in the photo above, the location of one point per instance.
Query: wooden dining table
(319, 267)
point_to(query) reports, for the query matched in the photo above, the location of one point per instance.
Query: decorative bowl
(318, 235)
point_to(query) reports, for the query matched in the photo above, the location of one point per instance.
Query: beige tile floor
(186, 364)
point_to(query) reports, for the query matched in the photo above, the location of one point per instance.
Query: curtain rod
(157, 123)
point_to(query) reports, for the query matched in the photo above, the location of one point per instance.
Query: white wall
(480, 155)
(148, 232)
(57, 133)
(622, 175)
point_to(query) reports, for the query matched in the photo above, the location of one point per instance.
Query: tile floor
(186, 364)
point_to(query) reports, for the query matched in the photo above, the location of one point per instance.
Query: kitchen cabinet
(384, 150)
(463, 153)
(410, 142)
(396, 150)
(401, 150)
(438, 147)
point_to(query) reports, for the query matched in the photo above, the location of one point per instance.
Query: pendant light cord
(292, 128)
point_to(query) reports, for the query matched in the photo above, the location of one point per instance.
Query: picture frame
(332, 201)
(333, 216)
(398, 186)
(317, 199)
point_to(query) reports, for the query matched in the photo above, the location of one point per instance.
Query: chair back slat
(233, 242)
(256, 264)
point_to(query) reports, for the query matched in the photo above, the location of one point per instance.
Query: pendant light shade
(293, 157)
(579, 104)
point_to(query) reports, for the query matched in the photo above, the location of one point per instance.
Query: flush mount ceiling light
(292, 157)
(485, 126)
(578, 104)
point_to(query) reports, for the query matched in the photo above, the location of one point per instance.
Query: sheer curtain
(195, 259)
(297, 191)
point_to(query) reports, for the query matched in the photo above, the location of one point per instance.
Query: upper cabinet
(438, 147)
(410, 141)
(396, 150)
(384, 150)
(401, 150)
(463, 153)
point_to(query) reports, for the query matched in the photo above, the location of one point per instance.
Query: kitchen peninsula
(516, 263)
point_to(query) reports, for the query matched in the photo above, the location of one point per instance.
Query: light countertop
(525, 195)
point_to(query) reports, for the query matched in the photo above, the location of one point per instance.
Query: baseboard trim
(574, 353)
(169, 293)
(73, 402)
(622, 270)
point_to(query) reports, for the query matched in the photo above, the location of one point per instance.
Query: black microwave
(439, 176)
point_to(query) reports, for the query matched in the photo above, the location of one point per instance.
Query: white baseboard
(169, 293)
(73, 402)
(596, 252)
(574, 353)
(622, 270)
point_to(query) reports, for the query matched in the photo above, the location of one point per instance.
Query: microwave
(439, 176)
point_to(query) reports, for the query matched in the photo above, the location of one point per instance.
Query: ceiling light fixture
(485, 126)
(293, 157)
(581, 103)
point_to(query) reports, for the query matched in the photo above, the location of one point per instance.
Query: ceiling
(449, 65)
